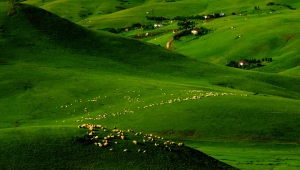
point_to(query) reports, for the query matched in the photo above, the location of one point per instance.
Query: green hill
(52, 69)
(268, 32)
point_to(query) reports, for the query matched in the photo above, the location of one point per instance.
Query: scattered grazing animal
(135, 142)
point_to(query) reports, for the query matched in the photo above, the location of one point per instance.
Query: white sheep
(135, 142)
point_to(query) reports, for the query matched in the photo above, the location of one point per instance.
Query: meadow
(57, 74)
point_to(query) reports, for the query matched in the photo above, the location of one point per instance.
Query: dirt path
(168, 45)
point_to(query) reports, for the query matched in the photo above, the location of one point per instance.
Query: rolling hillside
(52, 69)
(270, 31)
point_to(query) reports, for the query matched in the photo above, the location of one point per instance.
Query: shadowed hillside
(56, 75)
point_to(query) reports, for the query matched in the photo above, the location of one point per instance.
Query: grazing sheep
(135, 142)
(116, 142)
(180, 144)
(111, 149)
(105, 144)
(99, 144)
(123, 137)
(125, 150)
(144, 151)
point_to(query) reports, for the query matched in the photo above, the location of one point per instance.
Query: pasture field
(269, 32)
(56, 75)
(252, 155)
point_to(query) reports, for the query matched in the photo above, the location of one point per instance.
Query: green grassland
(264, 34)
(52, 69)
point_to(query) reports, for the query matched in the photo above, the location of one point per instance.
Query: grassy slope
(43, 86)
(54, 68)
(64, 148)
(256, 42)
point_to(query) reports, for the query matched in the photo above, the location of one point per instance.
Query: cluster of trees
(123, 1)
(184, 18)
(251, 63)
(267, 59)
(119, 8)
(84, 13)
(270, 3)
(199, 17)
(288, 6)
(201, 31)
(186, 24)
(132, 27)
(181, 34)
(256, 7)
(160, 18)
(119, 30)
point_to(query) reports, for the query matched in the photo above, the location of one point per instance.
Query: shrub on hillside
(159, 18)
(119, 8)
(12, 12)
(84, 13)
(232, 64)
(186, 24)
(181, 34)
(112, 30)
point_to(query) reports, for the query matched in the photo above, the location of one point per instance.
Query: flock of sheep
(139, 103)
(110, 138)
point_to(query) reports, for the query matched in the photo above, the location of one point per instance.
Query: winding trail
(168, 45)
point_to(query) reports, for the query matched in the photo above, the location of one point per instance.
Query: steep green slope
(65, 148)
(58, 56)
(264, 34)
(34, 82)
